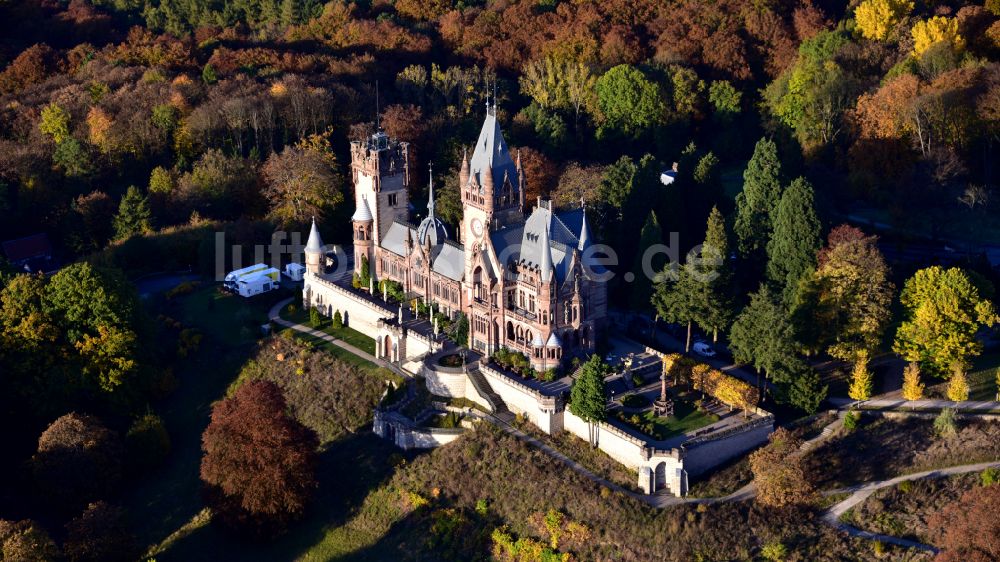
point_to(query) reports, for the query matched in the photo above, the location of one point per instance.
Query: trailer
(252, 280)
(295, 271)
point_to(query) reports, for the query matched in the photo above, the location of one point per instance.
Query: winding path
(860, 493)
(831, 516)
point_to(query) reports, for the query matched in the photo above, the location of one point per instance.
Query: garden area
(330, 326)
(518, 363)
(687, 417)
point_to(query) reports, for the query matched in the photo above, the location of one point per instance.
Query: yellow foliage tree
(938, 28)
(861, 380)
(958, 386)
(913, 389)
(99, 125)
(877, 18)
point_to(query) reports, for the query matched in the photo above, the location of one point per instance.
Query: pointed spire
(584, 230)
(546, 266)
(430, 190)
(363, 212)
(463, 174)
(314, 244)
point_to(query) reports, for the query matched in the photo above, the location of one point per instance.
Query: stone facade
(525, 281)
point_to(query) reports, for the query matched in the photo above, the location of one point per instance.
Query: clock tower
(491, 187)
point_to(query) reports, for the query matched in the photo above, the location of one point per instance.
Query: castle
(526, 283)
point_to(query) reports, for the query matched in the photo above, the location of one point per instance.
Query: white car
(703, 349)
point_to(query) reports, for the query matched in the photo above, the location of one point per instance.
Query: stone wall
(398, 429)
(706, 455)
(522, 399)
(359, 313)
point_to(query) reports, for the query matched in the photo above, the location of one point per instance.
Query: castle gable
(492, 152)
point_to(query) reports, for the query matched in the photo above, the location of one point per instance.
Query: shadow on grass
(349, 470)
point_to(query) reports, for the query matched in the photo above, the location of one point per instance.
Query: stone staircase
(482, 386)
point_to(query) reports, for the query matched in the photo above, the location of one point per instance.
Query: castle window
(392, 199)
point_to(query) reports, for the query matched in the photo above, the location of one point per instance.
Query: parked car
(703, 349)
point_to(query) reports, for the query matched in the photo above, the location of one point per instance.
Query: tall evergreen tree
(642, 289)
(588, 397)
(759, 198)
(133, 215)
(714, 265)
(795, 238)
(681, 300)
(762, 336)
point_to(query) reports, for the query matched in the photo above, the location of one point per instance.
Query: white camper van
(252, 280)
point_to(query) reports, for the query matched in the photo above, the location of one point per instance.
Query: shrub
(945, 424)
(99, 534)
(315, 318)
(774, 551)
(990, 476)
(906, 486)
(338, 320)
(78, 461)
(184, 288)
(147, 443)
(851, 419)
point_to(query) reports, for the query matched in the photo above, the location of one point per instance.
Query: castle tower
(491, 184)
(314, 251)
(364, 243)
(381, 174)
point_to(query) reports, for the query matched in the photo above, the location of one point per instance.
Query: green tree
(629, 103)
(715, 268)
(725, 100)
(812, 96)
(338, 320)
(133, 216)
(588, 397)
(759, 198)
(642, 289)
(791, 251)
(364, 275)
(806, 390)
(147, 443)
(680, 296)
(944, 310)
(72, 158)
(54, 122)
(208, 74)
(762, 335)
(160, 181)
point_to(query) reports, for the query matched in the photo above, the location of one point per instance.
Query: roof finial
(430, 195)
(495, 98)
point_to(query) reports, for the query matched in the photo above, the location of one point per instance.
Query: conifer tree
(958, 386)
(759, 198)
(588, 397)
(642, 289)
(682, 300)
(718, 306)
(791, 251)
(913, 389)
(861, 380)
(133, 215)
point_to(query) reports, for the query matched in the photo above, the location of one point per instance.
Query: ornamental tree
(913, 389)
(935, 30)
(861, 379)
(944, 310)
(259, 464)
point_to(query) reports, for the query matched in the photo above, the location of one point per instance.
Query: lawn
(686, 418)
(336, 351)
(345, 333)
(232, 319)
(983, 377)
